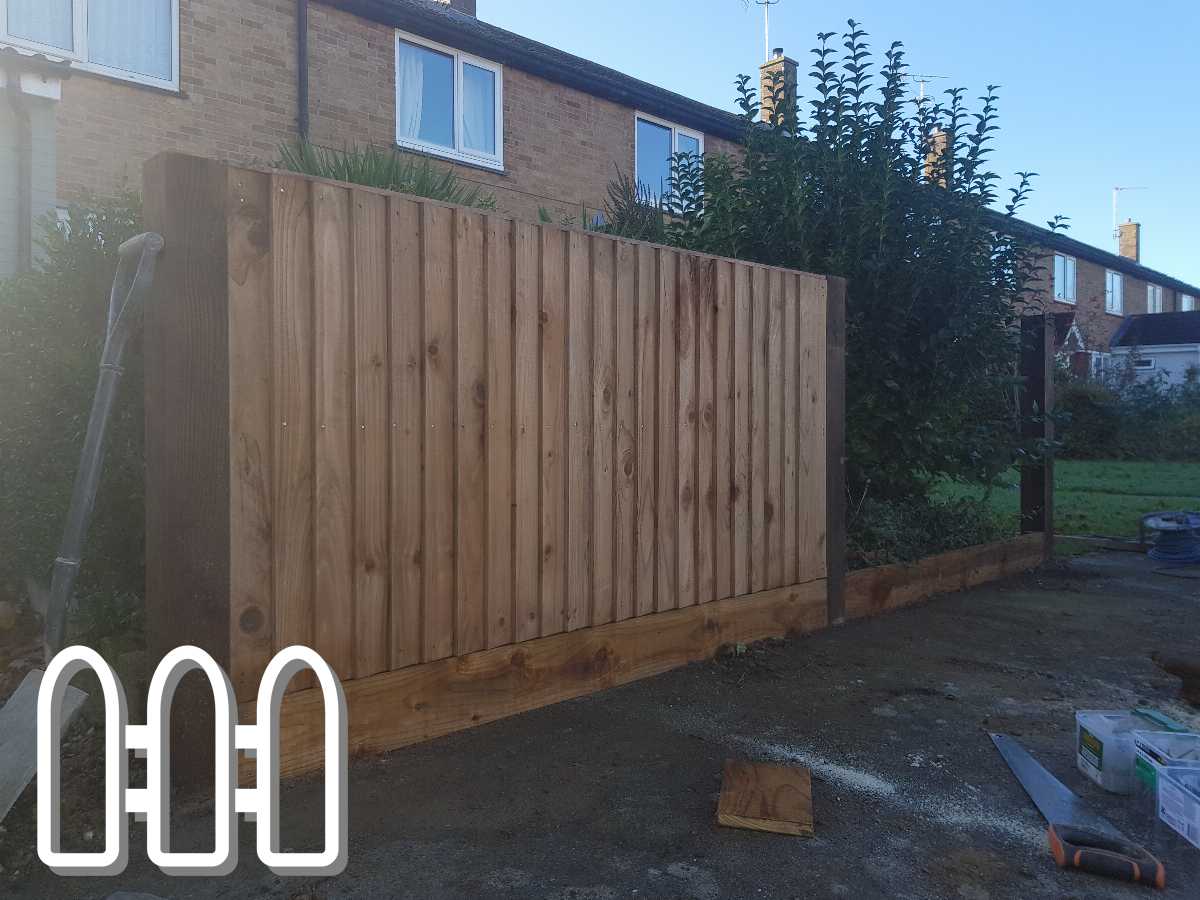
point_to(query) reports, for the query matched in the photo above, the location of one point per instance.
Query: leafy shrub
(880, 532)
(382, 168)
(848, 185)
(1089, 420)
(1123, 416)
(52, 324)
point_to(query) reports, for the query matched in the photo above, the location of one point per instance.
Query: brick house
(538, 128)
(1099, 290)
(234, 79)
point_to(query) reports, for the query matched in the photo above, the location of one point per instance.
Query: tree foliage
(852, 183)
(52, 324)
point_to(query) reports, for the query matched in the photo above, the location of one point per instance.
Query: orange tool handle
(1101, 854)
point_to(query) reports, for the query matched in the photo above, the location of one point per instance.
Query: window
(1153, 298)
(1114, 290)
(1187, 303)
(137, 40)
(448, 103)
(656, 142)
(1064, 278)
(1141, 363)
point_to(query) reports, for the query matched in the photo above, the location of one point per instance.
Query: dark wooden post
(835, 436)
(1037, 401)
(187, 441)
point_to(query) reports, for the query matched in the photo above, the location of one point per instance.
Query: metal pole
(135, 273)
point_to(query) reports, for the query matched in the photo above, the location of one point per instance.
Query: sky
(1092, 94)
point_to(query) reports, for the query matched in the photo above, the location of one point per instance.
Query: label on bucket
(1179, 810)
(1091, 749)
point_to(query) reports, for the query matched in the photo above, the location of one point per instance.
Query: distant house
(1161, 344)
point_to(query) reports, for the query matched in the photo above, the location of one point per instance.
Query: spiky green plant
(384, 168)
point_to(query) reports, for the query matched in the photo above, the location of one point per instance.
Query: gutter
(17, 101)
(302, 113)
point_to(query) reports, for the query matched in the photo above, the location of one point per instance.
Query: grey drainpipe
(24, 172)
(302, 68)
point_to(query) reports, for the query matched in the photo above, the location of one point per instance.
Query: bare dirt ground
(614, 796)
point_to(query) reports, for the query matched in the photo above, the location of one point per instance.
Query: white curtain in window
(479, 109)
(410, 89)
(47, 22)
(131, 35)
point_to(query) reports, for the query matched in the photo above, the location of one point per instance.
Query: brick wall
(238, 103)
(1096, 324)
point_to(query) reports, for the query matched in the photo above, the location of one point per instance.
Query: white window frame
(1144, 363)
(78, 55)
(1187, 303)
(1114, 300)
(458, 153)
(1072, 283)
(676, 131)
(1154, 298)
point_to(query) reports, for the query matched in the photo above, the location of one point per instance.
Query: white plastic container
(1104, 744)
(1155, 751)
(1179, 802)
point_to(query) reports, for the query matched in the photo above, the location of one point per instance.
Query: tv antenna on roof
(766, 5)
(1116, 195)
(924, 80)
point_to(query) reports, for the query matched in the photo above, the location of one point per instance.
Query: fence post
(835, 435)
(187, 439)
(1037, 400)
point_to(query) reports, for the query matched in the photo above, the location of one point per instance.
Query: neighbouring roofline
(1173, 329)
(440, 23)
(1059, 242)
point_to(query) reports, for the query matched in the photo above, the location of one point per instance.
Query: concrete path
(614, 796)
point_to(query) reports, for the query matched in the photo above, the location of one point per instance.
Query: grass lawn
(1104, 498)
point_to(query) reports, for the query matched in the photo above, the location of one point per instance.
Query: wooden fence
(402, 433)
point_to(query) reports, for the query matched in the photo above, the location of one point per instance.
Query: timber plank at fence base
(870, 592)
(406, 706)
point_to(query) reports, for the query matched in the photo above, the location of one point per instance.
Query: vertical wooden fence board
(723, 429)
(251, 482)
(759, 428)
(554, 429)
(470, 492)
(406, 286)
(439, 463)
(742, 417)
(647, 429)
(603, 431)
(687, 434)
(500, 433)
(292, 351)
(775, 429)
(811, 327)
(667, 590)
(578, 464)
(371, 248)
(527, 433)
(333, 286)
(790, 548)
(706, 472)
(834, 374)
(625, 459)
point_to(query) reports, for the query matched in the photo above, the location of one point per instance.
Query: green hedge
(1123, 417)
(52, 325)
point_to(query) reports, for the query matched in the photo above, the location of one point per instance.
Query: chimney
(1130, 244)
(938, 161)
(462, 6)
(779, 80)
